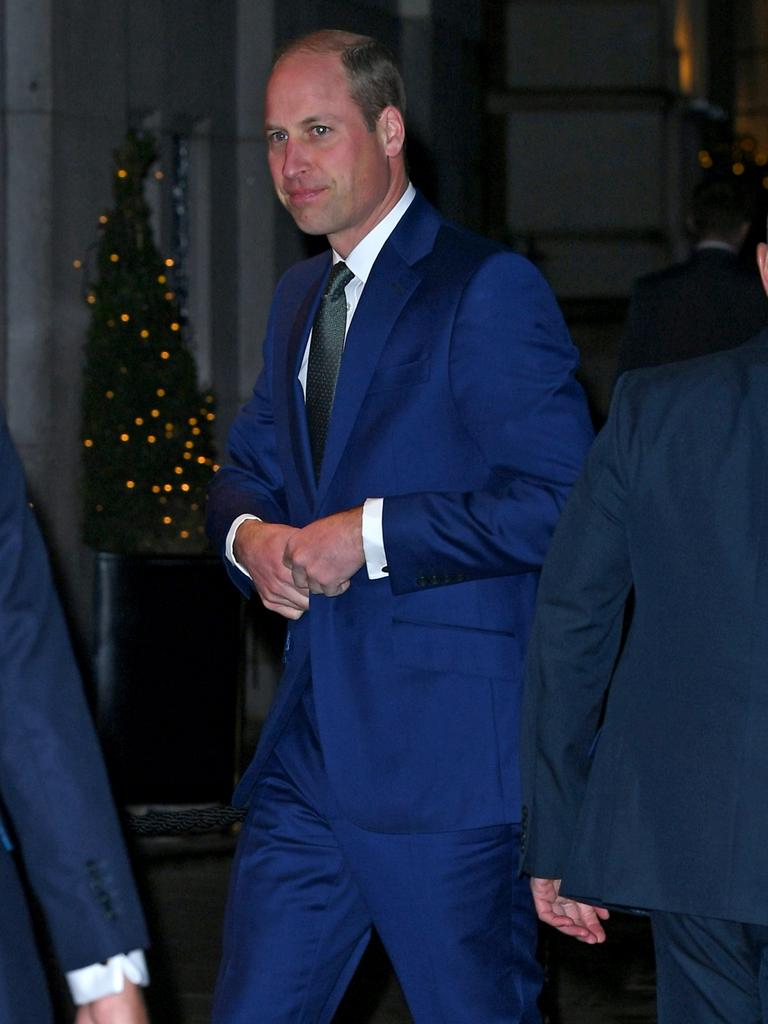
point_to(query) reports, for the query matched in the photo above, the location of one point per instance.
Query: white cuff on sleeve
(99, 980)
(230, 542)
(373, 538)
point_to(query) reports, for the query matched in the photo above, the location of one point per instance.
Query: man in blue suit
(403, 541)
(55, 807)
(645, 777)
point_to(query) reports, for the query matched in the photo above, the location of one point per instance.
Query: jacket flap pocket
(434, 647)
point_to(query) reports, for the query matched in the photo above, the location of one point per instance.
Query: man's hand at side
(324, 555)
(580, 920)
(259, 547)
(126, 1007)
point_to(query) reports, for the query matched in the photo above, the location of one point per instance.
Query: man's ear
(391, 129)
(762, 264)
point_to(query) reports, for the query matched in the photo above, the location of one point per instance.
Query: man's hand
(126, 1007)
(259, 548)
(579, 920)
(324, 555)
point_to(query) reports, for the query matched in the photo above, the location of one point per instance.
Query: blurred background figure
(712, 301)
(56, 810)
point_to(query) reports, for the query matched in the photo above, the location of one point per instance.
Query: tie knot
(338, 280)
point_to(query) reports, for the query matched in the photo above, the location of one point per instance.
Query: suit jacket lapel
(293, 406)
(391, 283)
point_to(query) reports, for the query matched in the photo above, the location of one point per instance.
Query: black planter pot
(166, 676)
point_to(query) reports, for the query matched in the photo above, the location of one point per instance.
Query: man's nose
(295, 159)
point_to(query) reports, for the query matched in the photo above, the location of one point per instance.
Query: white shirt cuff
(373, 538)
(230, 542)
(107, 979)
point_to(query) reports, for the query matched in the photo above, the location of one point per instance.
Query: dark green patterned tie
(325, 358)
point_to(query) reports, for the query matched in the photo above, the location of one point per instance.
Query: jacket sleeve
(573, 648)
(512, 379)
(52, 778)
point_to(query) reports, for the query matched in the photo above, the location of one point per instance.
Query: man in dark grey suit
(645, 766)
(713, 301)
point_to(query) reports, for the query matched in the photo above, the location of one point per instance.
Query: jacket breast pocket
(433, 647)
(403, 375)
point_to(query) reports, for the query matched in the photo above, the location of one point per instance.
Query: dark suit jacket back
(667, 808)
(711, 302)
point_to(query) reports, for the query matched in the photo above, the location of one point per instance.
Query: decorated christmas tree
(147, 428)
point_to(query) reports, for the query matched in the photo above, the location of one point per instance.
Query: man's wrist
(229, 546)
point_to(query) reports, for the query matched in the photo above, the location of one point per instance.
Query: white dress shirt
(360, 261)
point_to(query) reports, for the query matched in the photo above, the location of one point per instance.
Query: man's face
(332, 174)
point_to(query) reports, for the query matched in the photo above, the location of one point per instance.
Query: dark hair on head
(720, 208)
(374, 78)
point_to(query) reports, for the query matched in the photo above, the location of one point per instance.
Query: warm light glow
(761, 159)
(91, 299)
(209, 398)
(175, 326)
(165, 355)
(159, 175)
(169, 262)
(77, 264)
(154, 412)
(151, 438)
(125, 317)
(170, 427)
(88, 442)
(99, 508)
(155, 488)
(114, 257)
(109, 394)
(211, 416)
(103, 218)
(178, 470)
(122, 173)
(170, 296)
(130, 484)
(167, 488)
(139, 421)
(215, 467)
(189, 444)
(184, 534)
(192, 421)
(162, 279)
(705, 160)
(683, 36)
(195, 431)
(201, 459)
(186, 455)
(738, 167)
(144, 332)
(160, 392)
(167, 520)
(124, 369)
(125, 437)
(185, 487)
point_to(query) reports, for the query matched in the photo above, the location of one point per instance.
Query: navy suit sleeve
(513, 386)
(52, 778)
(251, 482)
(573, 648)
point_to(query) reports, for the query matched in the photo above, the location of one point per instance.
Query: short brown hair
(374, 78)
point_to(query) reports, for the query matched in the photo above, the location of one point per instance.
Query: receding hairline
(324, 41)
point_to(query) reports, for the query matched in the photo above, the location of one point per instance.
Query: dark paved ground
(185, 885)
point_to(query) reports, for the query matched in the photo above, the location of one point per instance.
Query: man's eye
(320, 129)
(277, 137)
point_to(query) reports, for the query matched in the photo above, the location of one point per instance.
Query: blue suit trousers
(308, 886)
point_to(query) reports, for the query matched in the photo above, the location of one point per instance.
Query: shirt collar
(360, 261)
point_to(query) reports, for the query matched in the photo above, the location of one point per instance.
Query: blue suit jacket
(667, 809)
(456, 403)
(55, 803)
